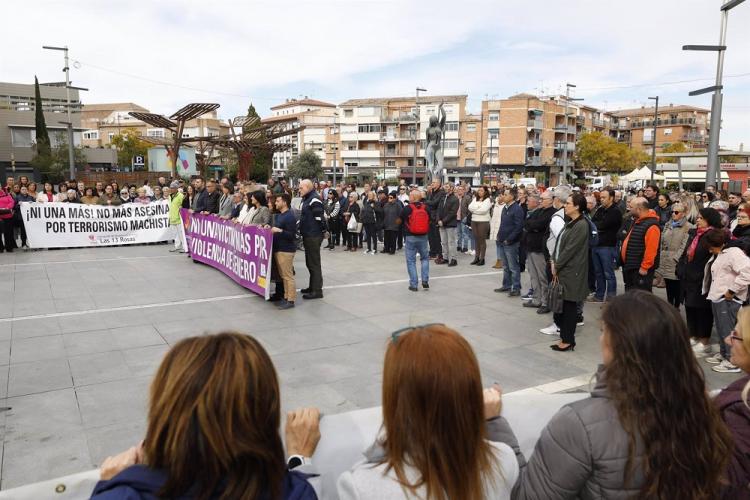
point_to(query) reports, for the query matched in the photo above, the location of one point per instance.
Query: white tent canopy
(632, 176)
(642, 174)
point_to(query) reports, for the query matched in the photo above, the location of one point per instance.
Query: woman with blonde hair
(212, 431)
(436, 418)
(732, 402)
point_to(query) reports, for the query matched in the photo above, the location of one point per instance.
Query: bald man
(640, 250)
(312, 226)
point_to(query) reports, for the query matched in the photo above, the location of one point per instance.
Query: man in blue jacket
(508, 240)
(312, 226)
(284, 247)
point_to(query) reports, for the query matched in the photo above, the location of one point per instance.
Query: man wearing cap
(175, 197)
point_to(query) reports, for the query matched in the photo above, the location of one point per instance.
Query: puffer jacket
(175, 204)
(673, 241)
(392, 215)
(581, 453)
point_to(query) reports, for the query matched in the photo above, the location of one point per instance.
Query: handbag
(351, 226)
(555, 296)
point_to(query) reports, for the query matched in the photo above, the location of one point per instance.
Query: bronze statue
(433, 149)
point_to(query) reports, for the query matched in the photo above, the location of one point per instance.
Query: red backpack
(419, 220)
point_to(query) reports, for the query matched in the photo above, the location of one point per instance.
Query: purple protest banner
(241, 252)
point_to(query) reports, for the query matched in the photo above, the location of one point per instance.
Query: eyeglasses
(676, 211)
(733, 336)
(704, 196)
(403, 331)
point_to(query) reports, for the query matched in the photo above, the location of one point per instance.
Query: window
(111, 135)
(471, 127)
(369, 127)
(493, 116)
(470, 146)
(493, 133)
(470, 162)
(451, 126)
(91, 135)
(348, 113)
(429, 110)
(22, 138)
(155, 132)
(390, 163)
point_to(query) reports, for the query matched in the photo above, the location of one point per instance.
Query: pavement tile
(39, 376)
(36, 349)
(99, 367)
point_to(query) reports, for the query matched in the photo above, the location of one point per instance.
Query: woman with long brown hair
(649, 429)
(433, 444)
(213, 423)
(480, 222)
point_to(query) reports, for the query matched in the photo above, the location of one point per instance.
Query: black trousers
(312, 261)
(390, 241)
(634, 281)
(400, 238)
(566, 321)
(700, 321)
(674, 292)
(7, 242)
(436, 248)
(351, 239)
(372, 236)
(334, 231)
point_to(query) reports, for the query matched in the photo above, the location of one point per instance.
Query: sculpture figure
(434, 149)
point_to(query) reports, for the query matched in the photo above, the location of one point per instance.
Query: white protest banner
(55, 225)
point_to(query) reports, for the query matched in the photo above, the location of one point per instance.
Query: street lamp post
(69, 123)
(568, 86)
(653, 149)
(713, 168)
(416, 135)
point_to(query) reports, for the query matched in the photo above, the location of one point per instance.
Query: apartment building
(674, 123)
(320, 133)
(102, 122)
(381, 136)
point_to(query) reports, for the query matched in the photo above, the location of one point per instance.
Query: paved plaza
(82, 331)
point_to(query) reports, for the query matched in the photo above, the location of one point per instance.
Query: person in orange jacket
(640, 250)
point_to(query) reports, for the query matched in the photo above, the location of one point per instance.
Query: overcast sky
(164, 54)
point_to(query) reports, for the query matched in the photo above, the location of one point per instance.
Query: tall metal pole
(71, 156)
(653, 149)
(416, 137)
(713, 169)
(565, 140)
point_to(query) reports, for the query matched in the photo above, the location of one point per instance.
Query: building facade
(681, 123)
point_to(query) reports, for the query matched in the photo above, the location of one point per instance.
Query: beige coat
(673, 243)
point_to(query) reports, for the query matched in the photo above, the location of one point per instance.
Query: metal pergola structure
(176, 125)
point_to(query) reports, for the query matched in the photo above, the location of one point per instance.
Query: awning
(690, 176)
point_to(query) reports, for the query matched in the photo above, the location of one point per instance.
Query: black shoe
(529, 303)
(439, 261)
(464, 250)
(481, 262)
(306, 290)
(413, 289)
(502, 289)
(313, 295)
(452, 263)
(555, 347)
(425, 285)
(543, 310)
(474, 262)
(285, 305)
(514, 293)
(275, 298)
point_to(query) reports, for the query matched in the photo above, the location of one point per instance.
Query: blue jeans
(414, 245)
(511, 266)
(465, 236)
(604, 269)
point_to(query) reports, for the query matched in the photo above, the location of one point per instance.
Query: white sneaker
(472, 252)
(715, 359)
(366, 252)
(550, 330)
(700, 349)
(726, 367)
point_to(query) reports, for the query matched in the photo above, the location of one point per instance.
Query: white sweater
(480, 210)
(370, 481)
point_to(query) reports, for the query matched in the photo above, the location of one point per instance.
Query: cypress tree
(42, 137)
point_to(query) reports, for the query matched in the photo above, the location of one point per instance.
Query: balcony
(696, 138)
(598, 123)
(361, 153)
(623, 138)
(537, 124)
(534, 143)
(580, 119)
(560, 128)
(534, 161)
(561, 145)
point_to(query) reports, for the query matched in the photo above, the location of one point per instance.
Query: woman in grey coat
(649, 429)
(673, 241)
(570, 266)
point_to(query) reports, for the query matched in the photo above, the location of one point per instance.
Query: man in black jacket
(200, 197)
(608, 220)
(212, 199)
(447, 224)
(535, 235)
(312, 226)
(434, 196)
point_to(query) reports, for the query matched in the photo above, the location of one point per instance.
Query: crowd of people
(648, 430)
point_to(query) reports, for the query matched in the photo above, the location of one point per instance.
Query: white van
(598, 182)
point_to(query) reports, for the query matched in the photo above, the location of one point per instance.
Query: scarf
(694, 243)
(677, 223)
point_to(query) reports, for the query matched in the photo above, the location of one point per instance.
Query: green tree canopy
(260, 168)
(53, 165)
(674, 147)
(129, 144)
(307, 165)
(596, 151)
